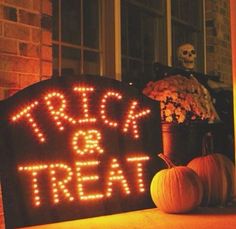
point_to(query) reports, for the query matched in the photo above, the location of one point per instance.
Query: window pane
(157, 4)
(187, 11)
(142, 38)
(70, 61)
(55, 52)
(148, 73)
(91, 63)
(135, 68)
(149, 37)
(124, 67)
(91, 23)
(135, 73)
(55, 20)
(124, 37)
(71, 21)
(134, 31)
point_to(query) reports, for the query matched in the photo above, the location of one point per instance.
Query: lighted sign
(77, 147)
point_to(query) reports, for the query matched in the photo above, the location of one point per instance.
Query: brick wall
(218, 56)
(26, 52)
(25, 43)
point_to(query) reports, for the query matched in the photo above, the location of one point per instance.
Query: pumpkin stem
(167, 160)
(207, 144)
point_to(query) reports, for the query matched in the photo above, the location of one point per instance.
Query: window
(142, 31)
(76, 37)
(146, 39)
(88, 38)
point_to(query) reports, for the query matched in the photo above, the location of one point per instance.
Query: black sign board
(77, 147)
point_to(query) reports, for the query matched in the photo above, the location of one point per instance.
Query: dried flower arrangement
(182, 99)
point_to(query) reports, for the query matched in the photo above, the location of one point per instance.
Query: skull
(186, 56)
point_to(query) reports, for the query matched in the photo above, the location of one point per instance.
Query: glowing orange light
(139, 166)
(57, 111)
(132, 117)
(60, 184)
(84, 92)
(56, 184)
(103, 107)
(91, 142)
(34, 172)
(26, 113)
(82, 179)
(116, 175)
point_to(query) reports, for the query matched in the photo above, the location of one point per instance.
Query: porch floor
(202, 218)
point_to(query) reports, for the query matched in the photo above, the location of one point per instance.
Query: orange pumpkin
(217, 174)
(176, 189)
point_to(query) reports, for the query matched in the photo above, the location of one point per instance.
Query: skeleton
(186, 56)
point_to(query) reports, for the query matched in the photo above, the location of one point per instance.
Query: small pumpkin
(176, 189)
(217, 174)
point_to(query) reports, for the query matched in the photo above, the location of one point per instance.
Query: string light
(116, 175)
(91, 142)
(57, 108)
(82, 179)
(55, 182)
(132, 117)
(60, 184)
(104, 106)
(85, 141)
(84, 92)
(34, 172)
(26, 113)
(139, 167)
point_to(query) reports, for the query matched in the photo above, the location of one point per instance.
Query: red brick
(36, 5)
(209, 14)
(16, 31)
(46, 53)
(46, 22)
(208, 4)
(8, 13)
(8, 79)
(1, 24)
(29, 18)
(46, 68)
(8, 46)
(19, 64)
(47, 7)
(36, 33)
(9, 92)
(28, 79)
(1, 12)
(28, 49)
(46, 37)
(27, 4)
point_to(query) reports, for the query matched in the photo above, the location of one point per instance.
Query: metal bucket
(181, 142)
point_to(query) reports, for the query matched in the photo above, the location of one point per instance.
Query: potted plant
(187, 113)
